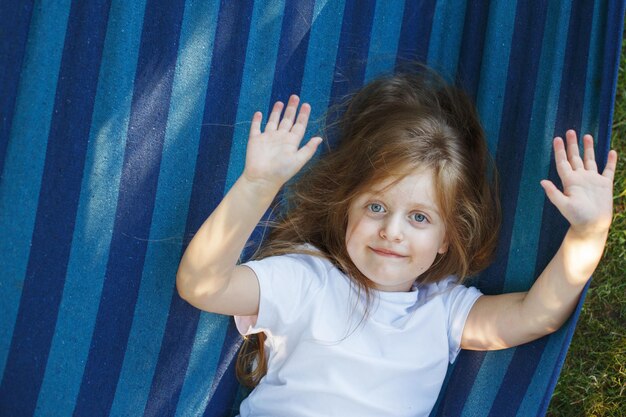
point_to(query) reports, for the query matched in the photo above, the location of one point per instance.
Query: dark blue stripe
(466, 367)
(472, 44)
(146, 131)
(514, 127)
(514, 131)
(614, 15)
(208, 189)
(289, 70)
(353, 48)
(518, 377)
(96, 211)
(415, 33)
(14, 23)
(225, 388)
(569, 115)
(25, 159)
(521, 267)
(171, 370)
(574, 75)
(168, 219)
(292, 49)
(589, 123)
(350, 64)
(58, 200)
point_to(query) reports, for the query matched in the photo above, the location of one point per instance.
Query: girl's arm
(501, 321)
(208, 276)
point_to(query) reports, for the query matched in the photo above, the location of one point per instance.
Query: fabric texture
(324, 358)
(123, 123)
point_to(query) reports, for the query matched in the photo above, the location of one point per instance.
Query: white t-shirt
(324, 359)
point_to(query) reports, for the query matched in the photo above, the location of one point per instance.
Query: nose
(391, 229)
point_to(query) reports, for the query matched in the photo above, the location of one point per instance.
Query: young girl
(357, 291)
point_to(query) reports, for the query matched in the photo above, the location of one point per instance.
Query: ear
(444, 247)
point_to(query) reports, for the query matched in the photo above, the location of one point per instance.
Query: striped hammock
(123, 123)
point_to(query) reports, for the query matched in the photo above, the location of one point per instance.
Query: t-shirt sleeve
(458, 301)
(288, 283)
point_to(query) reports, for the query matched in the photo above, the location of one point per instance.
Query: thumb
(555, 196)
(307, 151)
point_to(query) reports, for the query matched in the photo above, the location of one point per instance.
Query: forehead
(416, 188)
(418, 180)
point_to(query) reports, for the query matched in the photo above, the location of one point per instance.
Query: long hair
(391, 128)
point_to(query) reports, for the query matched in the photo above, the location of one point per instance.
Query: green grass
(593, 379)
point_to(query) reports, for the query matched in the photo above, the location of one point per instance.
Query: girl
(357, 291)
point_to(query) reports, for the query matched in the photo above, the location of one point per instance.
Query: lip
(387, 253)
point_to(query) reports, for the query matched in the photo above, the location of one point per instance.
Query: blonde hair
(391, 128)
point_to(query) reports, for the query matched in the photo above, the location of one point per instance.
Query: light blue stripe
(203, 365)
(384, 38)
(96, 211)
(256, 88)
(490, 97)
(257, 79)
(537, 389)
(521, 266)
(485, 386)
(520, 272)
(446, 36)
(525, 235)
(321, 56)
(490, 101)
(545, 369)
(25, 157)
(595, 63)
(173, 193)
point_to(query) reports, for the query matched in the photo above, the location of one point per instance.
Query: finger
(589, 157)
(563, 166)
(555, 196)
(611, 163)
(255, 126)
(573, 153)
(303, 119)
(307, 151)
(272, 123)
(290, 113)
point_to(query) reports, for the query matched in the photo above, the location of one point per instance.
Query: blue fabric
(124, 123)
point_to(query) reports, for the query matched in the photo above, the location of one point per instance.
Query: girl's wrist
(589, 233)
(260, 187)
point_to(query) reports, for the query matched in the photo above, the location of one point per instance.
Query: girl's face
(395, 231)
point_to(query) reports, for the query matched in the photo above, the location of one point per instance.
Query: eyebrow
(421, 206)
(426, 207)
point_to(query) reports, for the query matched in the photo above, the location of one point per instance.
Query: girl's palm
(587, 197)
(274, 156)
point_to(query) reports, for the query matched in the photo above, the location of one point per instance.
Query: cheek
(361, 228)
(427, 245)
(358, 232)
(353, 222)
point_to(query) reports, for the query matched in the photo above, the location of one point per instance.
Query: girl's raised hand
(274, 156)
(587, 197)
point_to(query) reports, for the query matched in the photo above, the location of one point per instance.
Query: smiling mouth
(387, 253)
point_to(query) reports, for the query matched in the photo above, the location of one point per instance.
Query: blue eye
(376, 208)
(418, 217)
